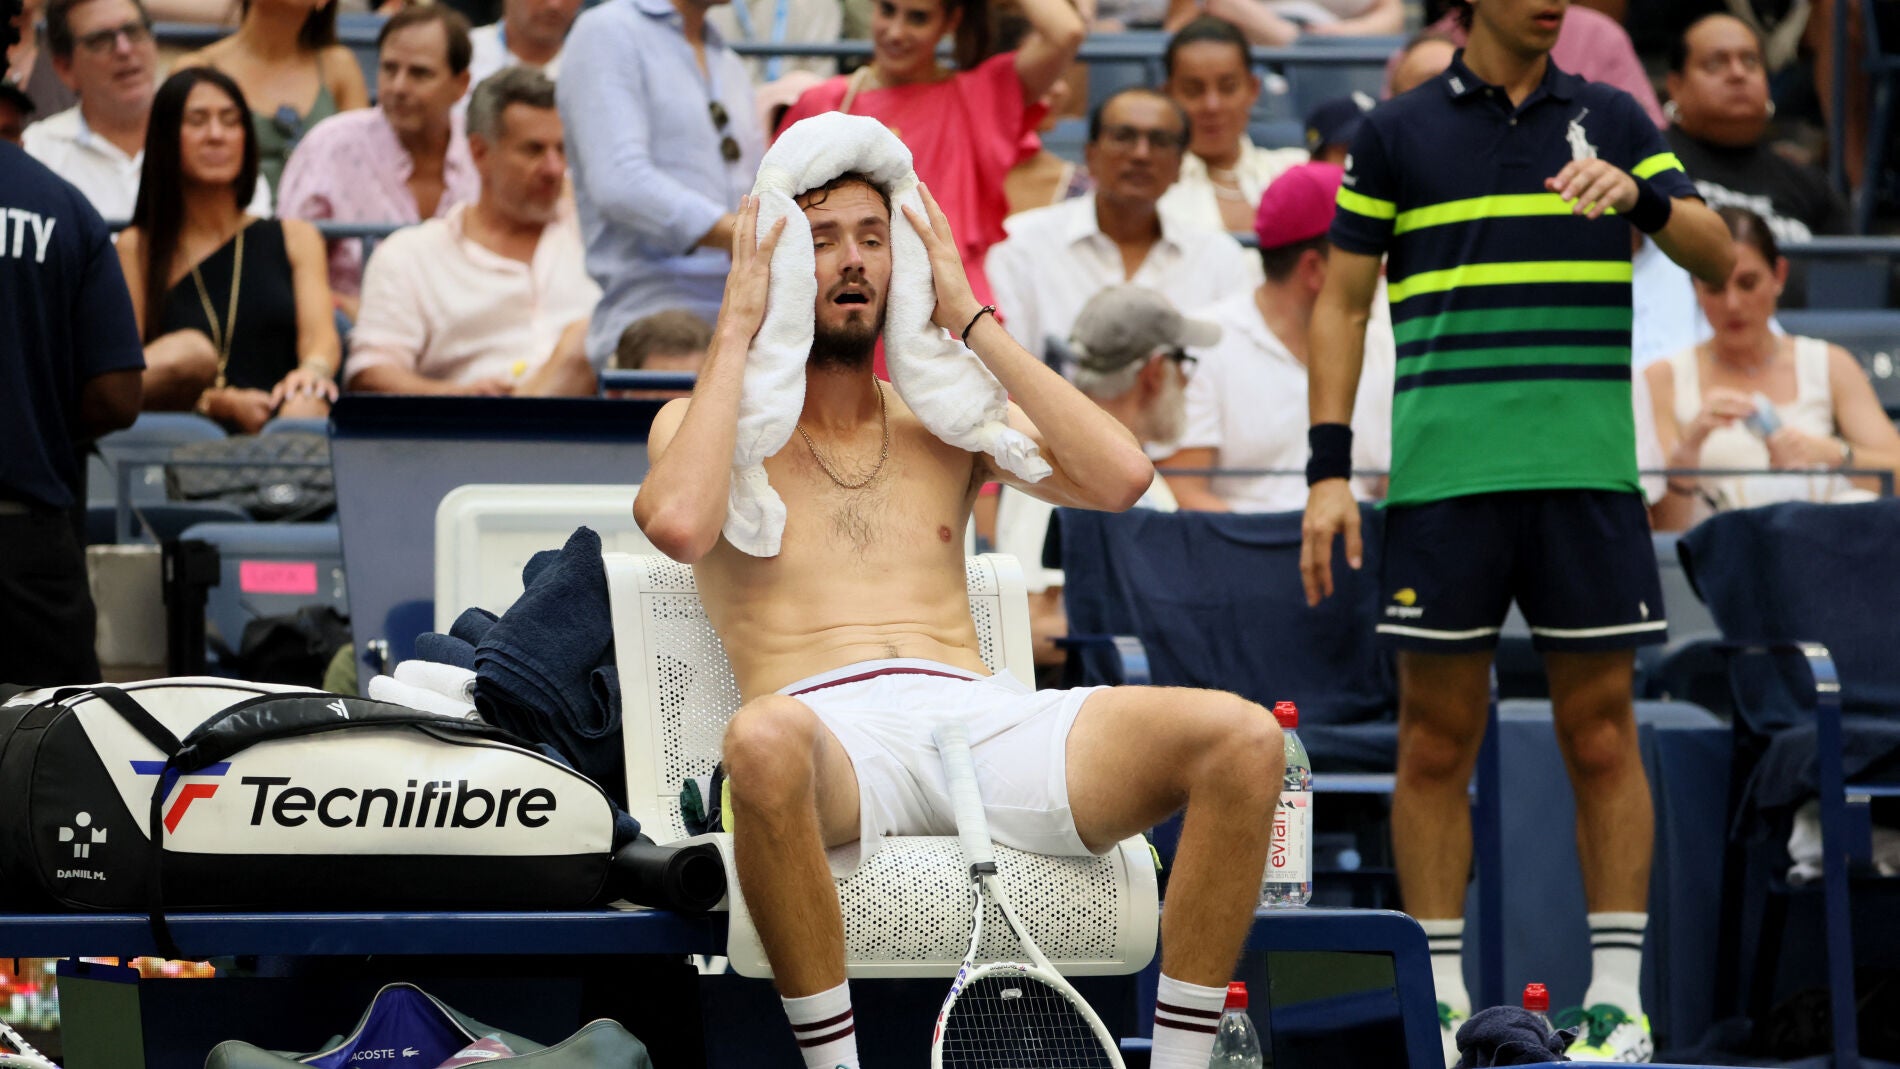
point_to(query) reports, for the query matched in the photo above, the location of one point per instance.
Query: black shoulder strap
(158, 735)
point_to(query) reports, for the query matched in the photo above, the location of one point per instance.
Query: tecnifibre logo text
(435, 804)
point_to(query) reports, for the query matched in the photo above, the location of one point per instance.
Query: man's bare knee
(1598, 746)
(1246, 751)
(771, 751)
(1437, 748)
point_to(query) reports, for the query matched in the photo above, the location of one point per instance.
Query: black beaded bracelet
(986, 310)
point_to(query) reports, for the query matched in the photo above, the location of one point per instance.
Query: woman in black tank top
(235, 311)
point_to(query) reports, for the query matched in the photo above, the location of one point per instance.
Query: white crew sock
(1616, 961)
(826, 1031)
(1446, 938)
(1186, 1016)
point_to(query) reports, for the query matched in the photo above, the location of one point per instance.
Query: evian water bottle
(1289, 875)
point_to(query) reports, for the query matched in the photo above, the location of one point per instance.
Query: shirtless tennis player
(857, 637)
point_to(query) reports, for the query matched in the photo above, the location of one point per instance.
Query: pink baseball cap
(1298, 205)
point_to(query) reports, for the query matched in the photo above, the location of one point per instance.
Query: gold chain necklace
(884, 454)
(221, 339)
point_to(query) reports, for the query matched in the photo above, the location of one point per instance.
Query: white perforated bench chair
(906, 910)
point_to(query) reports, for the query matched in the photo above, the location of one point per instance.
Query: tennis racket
(1006, 1014)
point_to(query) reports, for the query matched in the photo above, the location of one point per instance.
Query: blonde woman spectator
(1210, 75)
(1752, 398)
(286, 58)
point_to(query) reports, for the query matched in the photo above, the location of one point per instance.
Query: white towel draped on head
(945, 384)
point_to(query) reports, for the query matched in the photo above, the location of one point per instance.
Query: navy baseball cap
(1336, 121)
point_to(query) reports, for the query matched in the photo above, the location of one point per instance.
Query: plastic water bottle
(1289, 877)
(1537, 1003)
(1236, 1044)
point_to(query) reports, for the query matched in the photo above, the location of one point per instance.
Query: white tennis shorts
(883, 713)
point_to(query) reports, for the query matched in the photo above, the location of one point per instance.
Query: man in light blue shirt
(662, 141)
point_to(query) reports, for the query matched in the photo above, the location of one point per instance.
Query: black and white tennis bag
(274, 797)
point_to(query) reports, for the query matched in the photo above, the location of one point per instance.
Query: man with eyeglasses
(662, 140)
(1058, 257)
(104, 50)
(1246, 405)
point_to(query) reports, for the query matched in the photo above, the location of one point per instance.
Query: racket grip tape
(959, 769)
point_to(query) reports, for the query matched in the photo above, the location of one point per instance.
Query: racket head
(1011, 1015)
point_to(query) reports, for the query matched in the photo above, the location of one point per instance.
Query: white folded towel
(949, 389)
(396, 692)
(447, 680)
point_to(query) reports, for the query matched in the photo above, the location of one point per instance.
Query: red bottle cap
(1536, 998)
(1236, 996)
(1287, 714)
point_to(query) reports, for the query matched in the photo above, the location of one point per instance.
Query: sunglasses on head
(728, 145)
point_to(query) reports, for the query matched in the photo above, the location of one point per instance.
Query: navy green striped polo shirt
(1511, 315)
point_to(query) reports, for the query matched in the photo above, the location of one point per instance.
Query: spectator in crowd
(965, 128)
(1056, 258)
(402, 161)
(493, 298)
(778, 22)
(1044, 178)
(27, 66)
(664, 145)
(104, 50)
(1277, 23)
(286, 58)
(1423, 58)
(235, 310)
(673, 340)
(69, 372)
(1591, 45)
(530, 33)
(1752, 398)
(1246, 405)
(1332, 124)
(1719, 111)
(1210, 74)
(1130, 352)
(16, 110)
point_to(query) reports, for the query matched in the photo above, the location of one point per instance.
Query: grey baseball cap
(1123, 324)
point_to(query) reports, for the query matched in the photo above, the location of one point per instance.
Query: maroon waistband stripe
(862, 676)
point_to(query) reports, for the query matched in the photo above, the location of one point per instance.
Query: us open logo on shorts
(1405, 605)
(189, 794)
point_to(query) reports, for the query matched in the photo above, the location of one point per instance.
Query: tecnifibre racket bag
(273, 797)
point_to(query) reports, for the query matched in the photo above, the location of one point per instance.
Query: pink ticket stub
(277, 577)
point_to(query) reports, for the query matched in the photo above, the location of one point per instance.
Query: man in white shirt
(1058, 257)
(104, 51)
(492, 299)
(1246, 405)
(529, 33)
(1130, 352)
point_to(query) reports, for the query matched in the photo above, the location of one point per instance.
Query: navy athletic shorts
(1579, 563)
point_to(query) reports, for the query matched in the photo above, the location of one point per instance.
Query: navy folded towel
(1508, 1035)
(546, 669)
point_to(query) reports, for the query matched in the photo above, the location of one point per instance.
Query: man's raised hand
(956, 302)
(749, 283)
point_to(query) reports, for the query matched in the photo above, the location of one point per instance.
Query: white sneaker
(1609, 1035)
(1449, 1021)
(17, 1053)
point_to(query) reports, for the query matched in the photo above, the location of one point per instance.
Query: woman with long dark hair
(286, 58)
(247, 298)
(1750, 398)
(965, 128)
